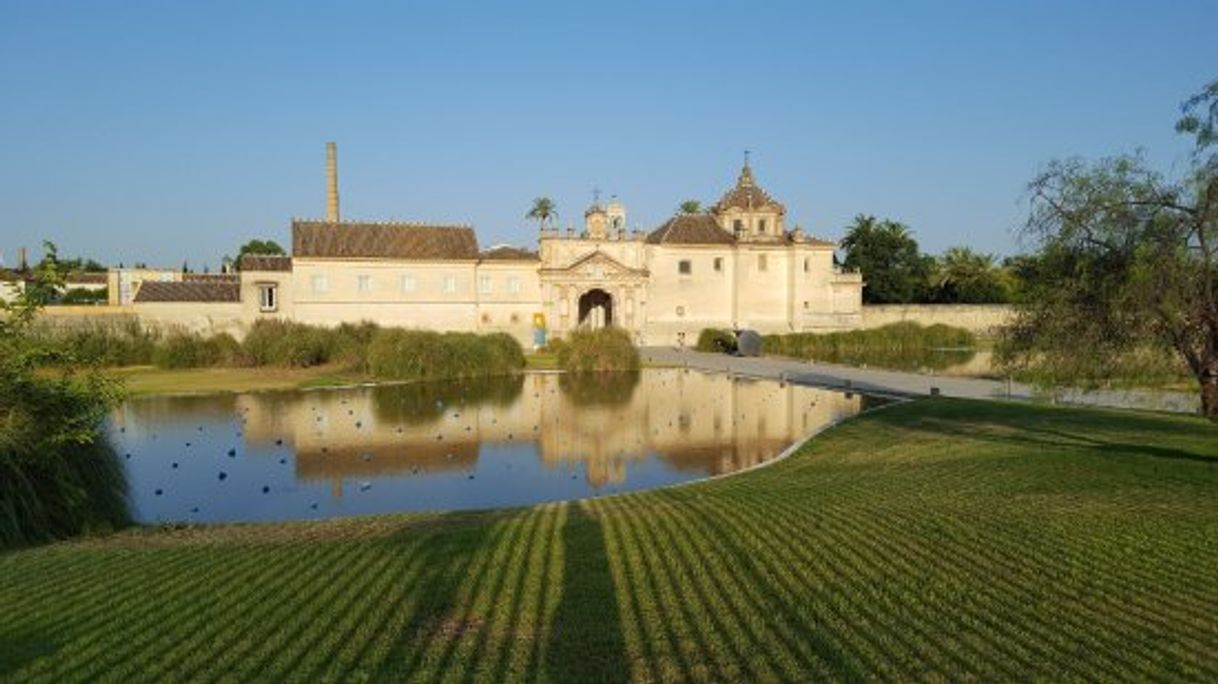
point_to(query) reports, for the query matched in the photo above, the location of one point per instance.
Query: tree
(962, 276)
(255, 246)
(543, 211)
(691, 207)
(894, 271)
(1127, 269)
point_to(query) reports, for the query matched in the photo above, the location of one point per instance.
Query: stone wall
(982, 319)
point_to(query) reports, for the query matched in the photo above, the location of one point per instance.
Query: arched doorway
(596, 308)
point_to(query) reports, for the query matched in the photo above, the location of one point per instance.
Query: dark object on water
(232, 453)
(158, 492)
(223, 475)
(265, 489)
(748, 343)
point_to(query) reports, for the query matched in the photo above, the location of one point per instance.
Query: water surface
(453, 445)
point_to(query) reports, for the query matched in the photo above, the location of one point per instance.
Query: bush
(604, 349)
(716, 340)
(192, 350)
(284, 343)
(901, 346)
(426, 355)
(101, 343)
(58, 492)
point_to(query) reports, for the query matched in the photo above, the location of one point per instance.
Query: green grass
(943, 539)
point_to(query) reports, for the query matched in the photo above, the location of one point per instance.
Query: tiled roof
(747, 195)
(265, 262)
(509, 253)
(212, 290)
(690, 229)
(211, 277)
(390, 240)
(89, 278)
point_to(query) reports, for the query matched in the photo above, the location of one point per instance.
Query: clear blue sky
(162, 131)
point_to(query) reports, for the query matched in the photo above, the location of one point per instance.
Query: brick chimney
(331, 182)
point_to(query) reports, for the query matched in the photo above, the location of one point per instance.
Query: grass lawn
(942, 539)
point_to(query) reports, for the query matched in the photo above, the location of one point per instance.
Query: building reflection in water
(697, 423)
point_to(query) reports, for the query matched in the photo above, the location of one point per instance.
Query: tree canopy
(543, 211)
(1127, 269)
(690, 207)
(894, 271)
(255, 246)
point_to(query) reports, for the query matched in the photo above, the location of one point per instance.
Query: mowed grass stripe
(735, 625)
(937, 540)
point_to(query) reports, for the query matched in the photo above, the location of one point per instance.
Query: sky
(164, 132)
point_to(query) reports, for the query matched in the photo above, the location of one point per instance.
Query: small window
(738, 226)
(718, 263)
(486, 285)
(268, 297)
(684, 267)
(513, 284)
(806, 262)
(761, 226)
(319, 284)
(450, 284)
(363, 283)
(805, 304)
(762, 263)
(408, 284)
(486, 319)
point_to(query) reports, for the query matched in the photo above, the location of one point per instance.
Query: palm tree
(543, 211)
(691, 207)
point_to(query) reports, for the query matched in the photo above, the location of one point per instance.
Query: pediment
(597, 265)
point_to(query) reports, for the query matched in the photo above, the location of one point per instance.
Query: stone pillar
(331, 183)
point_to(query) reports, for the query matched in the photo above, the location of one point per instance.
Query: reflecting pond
(454, 445)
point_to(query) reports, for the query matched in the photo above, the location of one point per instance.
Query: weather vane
(596, 195)
(746, 157)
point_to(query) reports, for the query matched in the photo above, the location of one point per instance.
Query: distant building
(735, 266)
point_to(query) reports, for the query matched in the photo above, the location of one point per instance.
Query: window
(485, 285)
(684, 267)
(513, 284)
(319, 284)
(805, 304)
(363, 283)
(450, 284)
(761, 226)
(762, 263)
(268, 297)
(738, 226)
(408, 284)
(806, 260)
(718, 263)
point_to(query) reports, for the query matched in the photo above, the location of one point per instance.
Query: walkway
(869, 380)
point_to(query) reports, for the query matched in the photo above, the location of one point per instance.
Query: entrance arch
(596, 308)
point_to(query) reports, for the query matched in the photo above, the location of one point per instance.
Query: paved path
(911, 384)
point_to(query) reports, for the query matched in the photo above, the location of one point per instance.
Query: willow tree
(1127, 268)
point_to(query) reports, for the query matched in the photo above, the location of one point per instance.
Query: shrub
(101, 343)
(902, 346)
(716, 340)
(604, 349)
(425, 355)
(284, 343)
(191, 350)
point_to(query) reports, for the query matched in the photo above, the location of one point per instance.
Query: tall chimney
(22, 264)
(331, 183)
